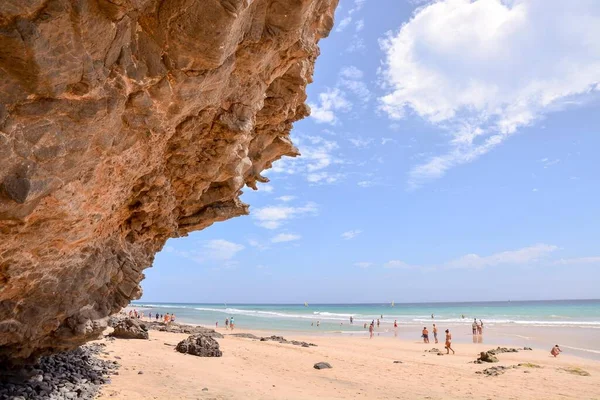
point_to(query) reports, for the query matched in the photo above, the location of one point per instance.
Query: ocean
(573, 323)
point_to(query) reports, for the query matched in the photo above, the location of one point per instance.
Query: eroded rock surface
(129, 328)
(199, 345)
(125, 123)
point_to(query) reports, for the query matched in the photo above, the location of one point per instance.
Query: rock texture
(124, 123)
(199, 345)
(128, 328)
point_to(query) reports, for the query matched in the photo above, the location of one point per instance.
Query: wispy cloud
(363, 264)
(498, 74)
(319, 162)
(218, 251)
(531, 255)
(360, 143)
(351, 234)
(349, 88)
(578, 261)
(272, 217)
(286, 198)
(285, 237)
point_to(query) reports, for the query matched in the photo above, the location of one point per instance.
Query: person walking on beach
(555, 351)
(395, 327)
(435, 333)
(425, 335)
(371, 328)
(474, 327)
(481, 326)
(449, 342)
(377, 322)
(231, 323)
(479, 329)
(226, 323)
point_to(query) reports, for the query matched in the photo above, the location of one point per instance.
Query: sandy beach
(362, 368)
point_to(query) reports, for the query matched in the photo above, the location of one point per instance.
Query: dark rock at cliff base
(199, 345)
(322, 365)
(486, 357)
(76, 374)
(128, 328)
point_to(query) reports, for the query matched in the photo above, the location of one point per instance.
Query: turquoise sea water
(575, 324)
(335, 317)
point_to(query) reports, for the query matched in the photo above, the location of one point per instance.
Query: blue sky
(452, 155)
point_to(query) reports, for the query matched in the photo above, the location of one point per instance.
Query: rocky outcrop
(199, 345)
(486, 357)
(129, 328)
(181, 328)
(125, 123)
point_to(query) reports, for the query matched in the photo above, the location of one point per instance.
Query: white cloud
(396, 264)
(366, 184)
(343, 24)
(548, 163)
(524, 256)
(258, 244)
(265, 188)
(578, 260)
(483, 69)
(272, 217)
(360, 24)
(319, 157)
(351, 234)
(217, 250)
(385, 141)
(351, 72)
(535, 254)
(286, 198)
(285, 237)
(220, 249)
(357, 45)
(363, 264)
(329, 102)
(360, 143)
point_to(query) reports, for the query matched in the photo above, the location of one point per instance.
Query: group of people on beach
(448, 343)
(166, 318)
(229, 323)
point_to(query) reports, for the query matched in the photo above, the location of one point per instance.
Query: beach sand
(362, 368)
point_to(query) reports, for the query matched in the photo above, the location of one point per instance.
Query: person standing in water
(226, 323)
(371, 328)
(395, 327)
(449, 342)
(351, 320)
(378, 322)
(435, 333)
(474, 327)
(425, 335)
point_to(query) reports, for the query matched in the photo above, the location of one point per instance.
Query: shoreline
(362, 368)
(576, 341)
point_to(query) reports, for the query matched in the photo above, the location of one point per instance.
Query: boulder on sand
(128, 328)
(322, 365)
(486, 357)
(199, 345)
